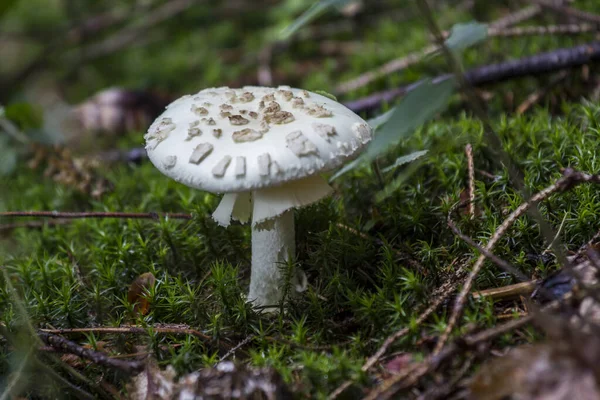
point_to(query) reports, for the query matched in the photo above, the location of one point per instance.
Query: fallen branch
(92, 214)
(179, 330)
(66, 346)
(538, 64)
(415, 57)
(563, 10)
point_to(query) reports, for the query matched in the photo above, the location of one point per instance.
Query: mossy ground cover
(372, 265)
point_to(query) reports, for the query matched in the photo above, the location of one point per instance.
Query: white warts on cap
(219, 169)
(324, 130)
(272, 108)
(362, 132)
(217, 133)
(285, 94)
(238, 120)
(246, 135)
(226, 107)
(246, 97)
(280, 117)
(169, 162)
(162, 131)
(209, 121)
(275, 168)
(199, 110)
(300, 145)
(192, 133)
(200, 153)
(193, 130)
(240, 166)
(264, 164)
(297, 102)
(224, 114)
(318, 111)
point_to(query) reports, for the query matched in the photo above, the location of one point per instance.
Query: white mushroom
(266, 167)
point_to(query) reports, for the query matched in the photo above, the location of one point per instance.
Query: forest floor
(400, 301)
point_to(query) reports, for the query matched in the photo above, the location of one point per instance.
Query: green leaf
(466, 35)
(416, 108)
(313, 12)
(405, 159)
(379, 120)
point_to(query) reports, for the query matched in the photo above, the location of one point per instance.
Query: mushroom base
(271, 250)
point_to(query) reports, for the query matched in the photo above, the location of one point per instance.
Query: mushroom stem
(272, 247)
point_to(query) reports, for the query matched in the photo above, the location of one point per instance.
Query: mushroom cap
(233, 140)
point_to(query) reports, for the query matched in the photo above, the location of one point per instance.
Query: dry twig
(471, 185)
(93, 214)
(569, 179)
(440, 295)
(64, 345)
(538, 64)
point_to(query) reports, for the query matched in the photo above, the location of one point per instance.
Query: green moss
(77, 275)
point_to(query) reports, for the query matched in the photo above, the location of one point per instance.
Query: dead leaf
(137, 293)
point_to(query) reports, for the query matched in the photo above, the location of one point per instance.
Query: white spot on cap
(280, 117)
(268, 97)
(324, 130)
(362, 132)
(209, 121)
(275, 168)
(264, 164)
(238, 120)
(226, 107)
(285, 94)
(207, 104)
(217, 133)
(240, 166)
(200, 153)
(253, 115)
(246, 135)
(221, 167)
(297, 102)
(192, 133)
(318, 111)
(224, 114)
(305, 94)
(199, 110)
(169, 162)
(300, 145)
(246, 97)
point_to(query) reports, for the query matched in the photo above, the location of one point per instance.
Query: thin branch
(67, 346)
(540, 93)
(414, 58)
(179, 330)
(471, 183)
(538, 64)
(509, 291)
(92, 214)
(564, 10)
(440, 295)
(569, 179)
(486, 252)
